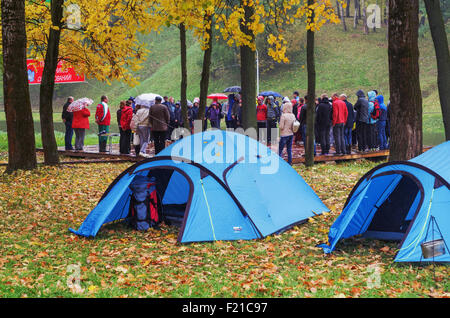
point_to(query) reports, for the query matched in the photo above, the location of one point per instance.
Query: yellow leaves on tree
(104, 44)
(274, 16)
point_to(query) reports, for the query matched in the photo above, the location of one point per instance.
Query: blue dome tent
(407, 201)
(221, 186)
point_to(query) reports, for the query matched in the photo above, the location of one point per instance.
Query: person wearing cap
(159, 121)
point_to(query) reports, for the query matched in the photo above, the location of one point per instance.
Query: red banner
(64, 73)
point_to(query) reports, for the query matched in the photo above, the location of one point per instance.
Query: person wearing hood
(177, 115)
(372, 122)
(141, 122)
(273, 115)
(237, 115)
(213, 114)
(287, 120)
(227, 109)
(362, 119)
(381, 123)
(193, 112)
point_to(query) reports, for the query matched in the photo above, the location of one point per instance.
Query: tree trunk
(387, 19)
(248, 73)
(404, 83)
(364, 18)
(311, 102)
(338, 6)
(356, 17)
(341, 10)
(48, 85)
(347, 9)
(204, 82)
(19, 119)
(439, 35)
(183, 92)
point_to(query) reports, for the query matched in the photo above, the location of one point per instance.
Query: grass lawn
(39, 255)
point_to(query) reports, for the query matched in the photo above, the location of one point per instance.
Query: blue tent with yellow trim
(406, 201)
(220, 185)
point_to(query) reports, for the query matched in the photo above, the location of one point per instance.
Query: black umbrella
(233, 89)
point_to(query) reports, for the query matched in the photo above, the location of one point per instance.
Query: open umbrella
(232, 89)
(270, 93)
(79, 104)
(146, 100)
(217, 96)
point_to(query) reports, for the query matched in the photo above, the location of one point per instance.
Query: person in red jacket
(125, 122)
(261, 118)
(340, 114)
(103, 120)
(80, 123)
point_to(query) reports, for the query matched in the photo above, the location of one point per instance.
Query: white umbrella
(146, 100)
(79, 104)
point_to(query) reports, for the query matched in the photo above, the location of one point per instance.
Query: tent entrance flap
(391, 220)
(174, 190)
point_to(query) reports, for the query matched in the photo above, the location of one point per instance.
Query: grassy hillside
(345, 62)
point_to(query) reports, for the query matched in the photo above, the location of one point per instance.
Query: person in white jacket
(287, 120)
(141, 123)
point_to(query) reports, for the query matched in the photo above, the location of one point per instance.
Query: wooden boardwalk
(91, 153)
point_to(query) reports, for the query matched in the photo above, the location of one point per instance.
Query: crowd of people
(137, 125)
(337, 121)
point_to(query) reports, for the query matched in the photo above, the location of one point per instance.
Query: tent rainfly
(407, 201)
(220, 185)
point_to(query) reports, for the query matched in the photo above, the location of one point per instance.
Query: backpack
(295, 126)
(143, 211)
(375, 114)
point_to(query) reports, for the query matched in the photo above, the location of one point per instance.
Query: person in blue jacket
(381, 123)
(372, 122)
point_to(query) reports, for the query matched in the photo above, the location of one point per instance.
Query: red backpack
(375, 114)
(151, 204)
